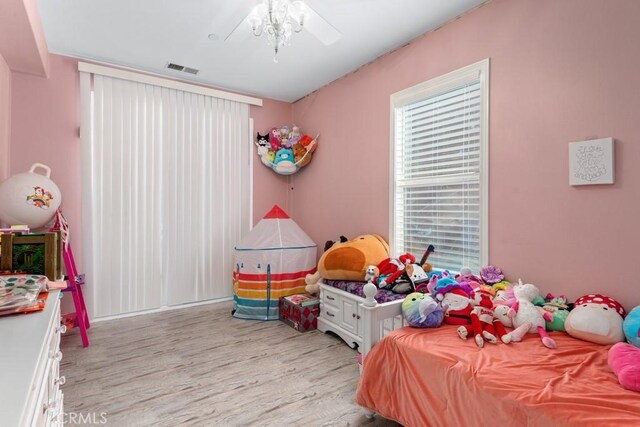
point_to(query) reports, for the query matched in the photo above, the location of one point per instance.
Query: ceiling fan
(279, 19)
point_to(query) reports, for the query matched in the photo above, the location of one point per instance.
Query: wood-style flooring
(199, 366)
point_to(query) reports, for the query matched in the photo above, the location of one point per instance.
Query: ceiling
(148, 34)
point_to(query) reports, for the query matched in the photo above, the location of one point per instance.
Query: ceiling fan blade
(240, 32)
(319, 27)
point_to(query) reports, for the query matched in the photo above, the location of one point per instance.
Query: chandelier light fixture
(278, 19)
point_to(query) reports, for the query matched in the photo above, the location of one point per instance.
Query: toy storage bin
(302, 316)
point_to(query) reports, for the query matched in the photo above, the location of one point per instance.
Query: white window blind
(166, 193)
(439, 166)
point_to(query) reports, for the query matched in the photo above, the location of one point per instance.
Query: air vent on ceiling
(178, 67)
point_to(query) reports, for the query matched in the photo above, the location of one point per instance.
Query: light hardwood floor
(199, 366)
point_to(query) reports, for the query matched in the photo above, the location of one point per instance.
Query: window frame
(435, 86)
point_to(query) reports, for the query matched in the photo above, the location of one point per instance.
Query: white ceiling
(147, 34)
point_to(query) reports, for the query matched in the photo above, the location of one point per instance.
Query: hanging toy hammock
(285, 150)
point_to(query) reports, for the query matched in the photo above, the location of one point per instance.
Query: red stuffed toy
(459, 305)
(484, 324)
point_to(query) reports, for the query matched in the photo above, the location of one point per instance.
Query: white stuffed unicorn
(527, 318)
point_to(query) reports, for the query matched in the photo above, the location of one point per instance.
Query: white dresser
(30, 367)
(340, 314)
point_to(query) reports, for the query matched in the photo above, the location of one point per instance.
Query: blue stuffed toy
(631, 327)
(422, 311)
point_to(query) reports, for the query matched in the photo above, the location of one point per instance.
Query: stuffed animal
(300, 154)
(274, 139)
(437, 282)
(485, 326)
(285, 162)
(624, 361)
(294, 136)
(631, 327)
(558, 308)
(422, 311)
(309, 143)
(459, 305)
(596, 318)
(404, 275)
(284, 137)
(349, 260)
(371, 273)
(263, 140)
(526, 317)
(501, 312)
(491, 274)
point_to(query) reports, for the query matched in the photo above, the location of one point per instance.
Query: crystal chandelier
(278, 19)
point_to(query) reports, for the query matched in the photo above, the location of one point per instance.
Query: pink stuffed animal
(624, 361)
(527, 318)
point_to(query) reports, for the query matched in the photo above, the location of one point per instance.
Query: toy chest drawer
(300, 317)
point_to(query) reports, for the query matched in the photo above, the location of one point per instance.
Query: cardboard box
(300, 312)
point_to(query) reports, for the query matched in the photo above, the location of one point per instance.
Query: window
(439, 168)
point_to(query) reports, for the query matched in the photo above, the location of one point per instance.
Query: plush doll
(263, 140)
(484, 324)
(390, 270)
(284, 137)
(284, 163)
(526, 317)
(468, 277)
(624, 359)
(300, 154)
(558, 308)
(422, 311)
(501, 312)
(349, 260)
(631, 327)
(309, 143)
(443, 280)
(274, 139)
(491, 274)
(459, 305)
(596, 318)
(294, 136)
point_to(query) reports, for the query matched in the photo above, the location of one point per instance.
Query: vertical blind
(167, 189)
(438, 177)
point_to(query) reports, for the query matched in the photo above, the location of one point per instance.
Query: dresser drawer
(331, 298)
(332, 314)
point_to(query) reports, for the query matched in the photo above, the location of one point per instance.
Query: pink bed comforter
(430, 377)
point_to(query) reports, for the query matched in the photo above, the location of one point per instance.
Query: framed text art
(591, 162)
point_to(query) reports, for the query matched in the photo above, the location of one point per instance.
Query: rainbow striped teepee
(271, 262)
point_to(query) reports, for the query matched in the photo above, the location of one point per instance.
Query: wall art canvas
(591, 162)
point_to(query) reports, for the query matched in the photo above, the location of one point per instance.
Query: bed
(422, 377)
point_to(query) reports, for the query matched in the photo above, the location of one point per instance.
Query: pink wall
(5, 117)
(45, 126)
(561, 71)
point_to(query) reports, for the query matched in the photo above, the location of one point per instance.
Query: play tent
(271, 262)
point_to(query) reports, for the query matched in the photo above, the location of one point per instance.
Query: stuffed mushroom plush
(596, 318)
